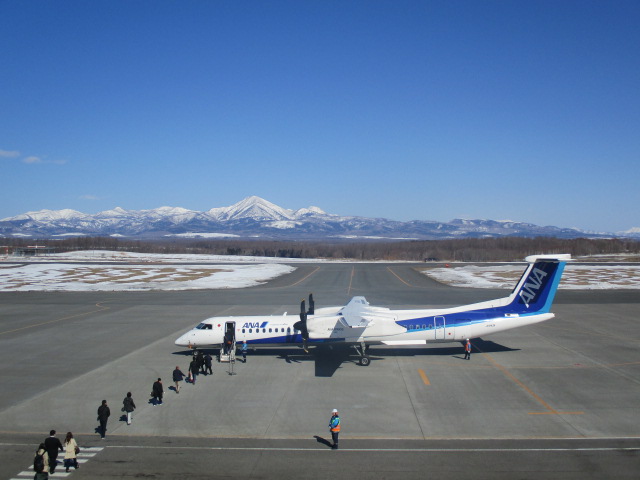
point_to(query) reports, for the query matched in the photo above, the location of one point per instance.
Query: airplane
(359, 324)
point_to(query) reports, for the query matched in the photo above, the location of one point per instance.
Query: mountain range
(255, 217)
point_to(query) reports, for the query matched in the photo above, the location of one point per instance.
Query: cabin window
(288, 329)
(243, 330)
(269, 330)
(264, 330)
(251, 330)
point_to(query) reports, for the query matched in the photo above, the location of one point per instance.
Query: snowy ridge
(256, 217)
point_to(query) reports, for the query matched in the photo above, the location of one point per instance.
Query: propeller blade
(312, 305)
(302, 324)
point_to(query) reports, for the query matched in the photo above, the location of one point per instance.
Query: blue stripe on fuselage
(535, 296)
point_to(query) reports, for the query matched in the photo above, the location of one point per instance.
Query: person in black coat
(178, 376)
(103, 415)
(200, 362)
(52, 445)
(193, 368)
(157, 391)
(207, 364)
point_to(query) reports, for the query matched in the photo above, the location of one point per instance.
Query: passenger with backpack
(41, 463)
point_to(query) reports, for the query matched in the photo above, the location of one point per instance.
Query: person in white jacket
(70, 452)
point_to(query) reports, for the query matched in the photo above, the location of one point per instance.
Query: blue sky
(526, 111)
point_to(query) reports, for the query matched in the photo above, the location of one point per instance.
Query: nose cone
(183, 340)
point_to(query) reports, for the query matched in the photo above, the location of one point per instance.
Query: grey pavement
(554, 400)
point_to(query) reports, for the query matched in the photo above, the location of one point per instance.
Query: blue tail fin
(537, 287)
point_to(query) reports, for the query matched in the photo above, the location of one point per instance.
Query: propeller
(312, 305)
(302, 324)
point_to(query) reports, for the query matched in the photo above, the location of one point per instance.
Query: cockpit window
(204, 326)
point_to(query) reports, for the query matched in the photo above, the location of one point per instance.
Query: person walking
(200, 362)
(193, 368)
(207, 364)
(178, 376)
(53, 446)
(467, 350)
(41, 463)
(157, 391)
(334, 428)
(128, 406)
(244, 351)
(71, 450)
(103, 415)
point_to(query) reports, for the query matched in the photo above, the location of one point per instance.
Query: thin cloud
(89, 197)
(9, 153)
(32, 160)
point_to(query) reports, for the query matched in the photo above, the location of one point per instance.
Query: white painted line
(395, 450)
(86, 452)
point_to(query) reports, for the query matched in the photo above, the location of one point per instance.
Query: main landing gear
(362, 351)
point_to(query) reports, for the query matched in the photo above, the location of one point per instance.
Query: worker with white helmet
(334, 427)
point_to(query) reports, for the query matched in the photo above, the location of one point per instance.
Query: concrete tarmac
(554, 400)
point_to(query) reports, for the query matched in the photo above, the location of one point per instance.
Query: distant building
(33, 251)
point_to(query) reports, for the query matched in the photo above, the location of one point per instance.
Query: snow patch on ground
(584, 277)
(96, 277)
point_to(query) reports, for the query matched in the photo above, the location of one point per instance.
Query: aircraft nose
(182, 341)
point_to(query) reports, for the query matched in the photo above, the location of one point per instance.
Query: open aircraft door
(230, 332)
(228, 350)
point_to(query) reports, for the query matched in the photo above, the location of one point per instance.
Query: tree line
(450, 250)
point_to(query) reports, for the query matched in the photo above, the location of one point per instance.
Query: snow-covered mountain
(256, 217)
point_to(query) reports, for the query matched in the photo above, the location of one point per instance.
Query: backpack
(38, 462)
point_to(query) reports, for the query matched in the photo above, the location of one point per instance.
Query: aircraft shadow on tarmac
(329, 358)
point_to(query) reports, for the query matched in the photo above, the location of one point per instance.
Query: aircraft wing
(353, 313)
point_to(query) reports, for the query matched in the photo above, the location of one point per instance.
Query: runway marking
(100, 309)
(398, 277)
(305, 277)
(353, 273)
(83, 456)
(508, 374)
(425, 379)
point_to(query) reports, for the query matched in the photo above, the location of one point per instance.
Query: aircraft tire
(364, 361)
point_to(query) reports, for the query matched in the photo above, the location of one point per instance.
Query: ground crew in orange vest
(334, 427)
(467, 350)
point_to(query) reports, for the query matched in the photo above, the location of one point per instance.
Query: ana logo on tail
(531, 288)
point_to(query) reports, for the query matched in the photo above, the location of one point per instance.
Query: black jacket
(129, 404)
(103, 412)
(157, 389)
(52, 445)
(178, 376)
